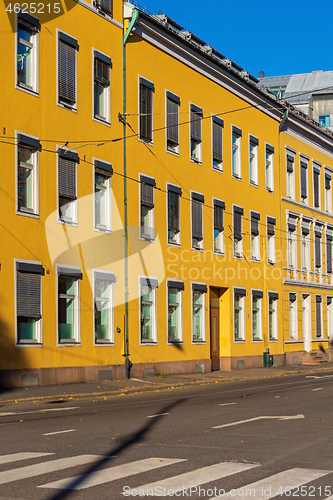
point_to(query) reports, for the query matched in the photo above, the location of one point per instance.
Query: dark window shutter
(254, 226)
(327, 181)
(146, 110)
(66, 72)
(270, 229)
(217, 142)
(197, 219)
(172, 121)
(316, 188)
(173, 211)
(102, 72)
(303, 182)
(329, 256)
(28, 295)
(67, 178)
(105, 6)
(317, 250)
(318, 319)
(196, 125)
(147, 195)
(218, 218)
(237, 226)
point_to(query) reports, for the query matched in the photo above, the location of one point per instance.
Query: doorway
(306, 320)
(215, 328)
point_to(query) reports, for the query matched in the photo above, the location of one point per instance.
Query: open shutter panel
(318, 319)
(218, 218)
(102, 72)
(196, 219)
(146, 102)
(217, 142)
(147, 195)
(173, 211)
(67, 178)
(303, 182)
(105, 6)
(172, 121)
(316, 188)
(28, 295)
(66, 69)
(329, 256)
(237, 226)
(317, 249)
(254, 226)
(270, 229)
(196, 125)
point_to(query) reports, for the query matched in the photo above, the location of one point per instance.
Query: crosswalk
(180, 485)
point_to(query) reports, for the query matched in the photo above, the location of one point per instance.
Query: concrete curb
(160, 387)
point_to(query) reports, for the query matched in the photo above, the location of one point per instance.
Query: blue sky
(279, 38)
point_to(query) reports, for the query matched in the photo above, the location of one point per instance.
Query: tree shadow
(10, 357)
(133, 439)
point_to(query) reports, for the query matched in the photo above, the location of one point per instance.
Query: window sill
(103, 342)
(28, 90)
(197, 249)
(271, 263)
(102, 121)
(269, 190)
(257, 341)
(67, 106)
(29, 343)
(175, 342)
(254, 259)
(147, 238)
(238, 256)
(148, 342)
(198, 341)
(67, 223)
(218, 169)
(101, 230)
(173, 244)
(68, 343)
(220, 253)
(32, 215)
(272, 340)
(149, 142)
(174, 153)
(254, 184)
(237, 177)
(240, 341)
(195, 160)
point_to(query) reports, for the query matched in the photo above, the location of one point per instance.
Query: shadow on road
(130, 441)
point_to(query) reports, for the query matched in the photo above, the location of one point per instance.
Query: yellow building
(135, 131)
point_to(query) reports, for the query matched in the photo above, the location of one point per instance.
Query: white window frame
(242, 336)
(260, 337)
(236, 168)
(318, 229)
(290, 177)
(152, 341)
(329, 232)
(77, 309)
(35, 181)
(318, 167)
(274, 337)
(330, 319)
(198, 157)
(71, 107)
(180, 316)
(110, 340)
(106, 120)
(39, 324)
(72, 220)
(271, 256)
(177, 241)
(100, 227)
(237, 244)
(254, 155)
(151, 226)
(328, 193)
(293, 324)
(305, 252)
(220, 238)
(173, 150)
(202, 340)
(34, 45)
(304, 160)
(150, 142)
(291, 248)
(321, 317)
(200, 245)
(269, 168)
(219, 166)
(255, 240)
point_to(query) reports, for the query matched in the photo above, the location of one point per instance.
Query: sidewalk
(121, 387)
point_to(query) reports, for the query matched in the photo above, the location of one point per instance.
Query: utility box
(268, 359)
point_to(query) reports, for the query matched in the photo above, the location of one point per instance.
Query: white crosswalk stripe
(191, 479)
(111, 474)
(277, 484)
(15, 457)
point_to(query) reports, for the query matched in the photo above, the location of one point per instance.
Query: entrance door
(214, 338)
(306, 320)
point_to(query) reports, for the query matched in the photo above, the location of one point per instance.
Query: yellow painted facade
(243, 290)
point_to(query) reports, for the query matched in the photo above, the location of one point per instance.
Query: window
(102, 89)
(328, 192)
(103, 307)
(236, 152)
(148, 323)
(67, 48)
(27, 174)
(255, 238)
(67, 185)
(291, 244)
(219, 207)
(290, 177)
(271, 240)
(269, 168)
(324, 120)
(68, 304)
(195, 132)
(105, 6)
(329, 318)
(305, 244)
(238, 235)
(316, 187)
(198, 312)
(27, 45)
(253, 157)
(175, 311)
(239, 313)
(292, 316)
(329, 238)
(272, 315)
(29, 302)
(304, 182)
(197, 223)
(146, 90)
(174, 194)
(317, 250)
(319, 326)
(172, 122)
(103, 172)
(257, 296)
(147, 224)
(217, 124)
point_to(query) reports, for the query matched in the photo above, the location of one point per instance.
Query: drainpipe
(135, 15)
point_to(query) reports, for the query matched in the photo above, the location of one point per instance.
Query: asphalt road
(197, 442)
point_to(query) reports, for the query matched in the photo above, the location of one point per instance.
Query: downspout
(135, 16)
